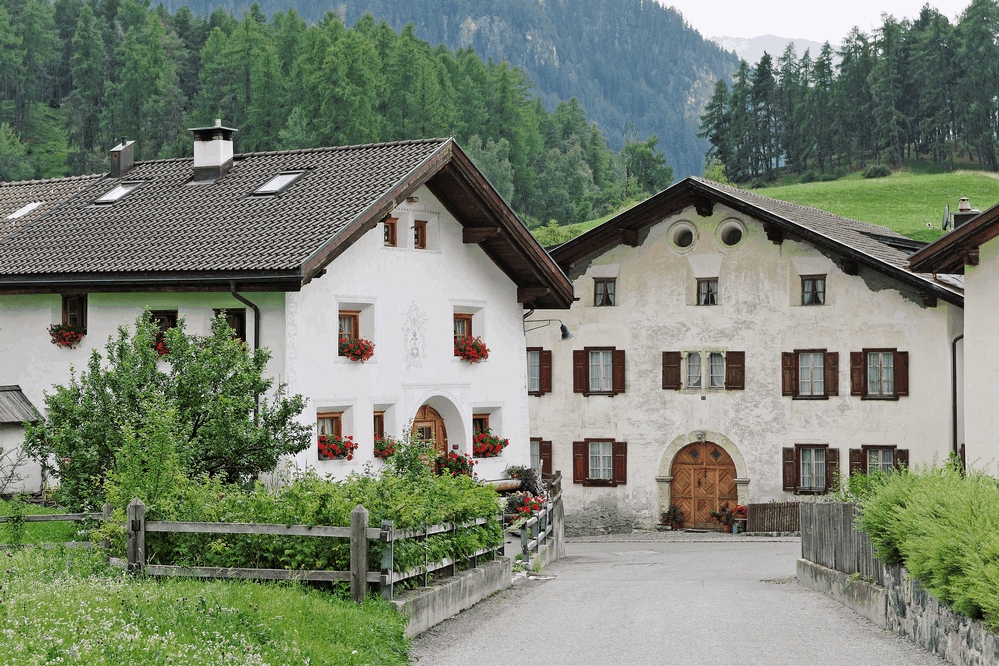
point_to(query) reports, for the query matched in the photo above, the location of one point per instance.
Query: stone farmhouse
(727, 347)
(402, 244)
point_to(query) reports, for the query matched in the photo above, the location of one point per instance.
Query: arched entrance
(703, 480)
(429, 426)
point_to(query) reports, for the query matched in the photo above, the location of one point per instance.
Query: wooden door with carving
(429, 426)
(703, 480)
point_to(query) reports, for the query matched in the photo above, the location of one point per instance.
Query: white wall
(403, 290)
(981, 344)
(11, 438)
(760, 314)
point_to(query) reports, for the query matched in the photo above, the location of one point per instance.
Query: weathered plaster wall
(407, 298)
(981, 345)
(759, 313)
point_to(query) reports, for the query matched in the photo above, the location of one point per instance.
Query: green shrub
(877, 171)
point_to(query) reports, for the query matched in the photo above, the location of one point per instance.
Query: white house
(402, 244)
(727, 347)
(973, 250)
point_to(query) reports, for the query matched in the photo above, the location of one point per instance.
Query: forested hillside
(633, 64)
(79, 75)
(921, 88)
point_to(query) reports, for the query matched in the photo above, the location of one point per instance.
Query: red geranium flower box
(66, 336)
(336, 448)
(470, 349)
(356, 349)
(487, 445)
(384, 448)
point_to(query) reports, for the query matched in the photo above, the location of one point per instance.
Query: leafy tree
(13, 156)
(647, 165)
(204, 397)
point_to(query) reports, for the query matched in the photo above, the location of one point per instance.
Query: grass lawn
(41, 532)
(904, 201)
(68, 606)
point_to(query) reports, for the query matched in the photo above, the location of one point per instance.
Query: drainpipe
(256, 336)
(953, 386)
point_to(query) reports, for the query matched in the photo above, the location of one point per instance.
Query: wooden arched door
(429, 426)
(703, 480)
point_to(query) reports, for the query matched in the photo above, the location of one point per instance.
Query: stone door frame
(665, 480)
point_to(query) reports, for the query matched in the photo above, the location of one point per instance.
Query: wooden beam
(629, 237)
(531, 294)
(929, 300)
(704, 206)
(850, 267)
(478, 234)
(774, 233)
(971, 257)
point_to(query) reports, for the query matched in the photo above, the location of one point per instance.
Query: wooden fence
(829, 538)
(61, 518)
(772, 517)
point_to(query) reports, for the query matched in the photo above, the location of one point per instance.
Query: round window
(683, 237)
(731, 236)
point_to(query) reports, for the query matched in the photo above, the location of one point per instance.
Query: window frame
(378, 424)
(239, 331)
(129, 186)
(161, 317)
(544, 371)
(799, 462)
(700, 370)
(390, 237)
(712, 355)
(260, 192)
(82, 303)
(590, 351)
(867, 374)
(354, 316)
(336, 420)
(531, 352)
(608, 457)
(581, 371)
(482, 425)
(419, 234)
(608, 293)
(790, 374)
(465, 317)
(709, 295)
(581, 463)
(811, 396)
(867, 450)
(814, 279)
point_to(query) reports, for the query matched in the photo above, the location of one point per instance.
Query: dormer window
(278, 183)
(115, 194)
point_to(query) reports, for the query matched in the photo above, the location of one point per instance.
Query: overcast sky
(818, 21)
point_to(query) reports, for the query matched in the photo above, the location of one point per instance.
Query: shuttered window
(600, 462)
(601, 371)
(687, 370)
(809, 468)
(810, 374)
(694, 372)
(884, 459)
(716, 370)
(541, 456)
(879, 374)
(74, 311)
(735, 370)
(598, 371)
(389, 233)
(671, 371)
(539, 371)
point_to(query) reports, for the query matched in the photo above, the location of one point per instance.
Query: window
(349, 325)
(598, 370)
(543, 460)
(879, 374)
(379, 425)
(329, 424)
(716, 378)
(694, 370)
(390, 228)
(604, 291)
(164, 319)
(480, 423)
(535, 453)
(25, 209)
(813, 290)
(599, 462)
(809, 468)
(236, 318)
(880, 460)
(420, 234)
(462, 327)
(74, 311)
(810, 374)
(116, 193)
(707, 291)
(539, 371)
(278, 183)
(884, 459)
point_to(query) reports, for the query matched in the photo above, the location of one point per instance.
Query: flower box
(470, 349)
(66, 336)
(487, 445)
(384, 448)
(356, 349)
(336, 448)
(455, 463)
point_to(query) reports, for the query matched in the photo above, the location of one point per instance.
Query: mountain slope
(631, 63)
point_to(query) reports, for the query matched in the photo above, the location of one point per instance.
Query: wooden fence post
(358, 553)
(105, 516)
(388, 558)
(136, 527)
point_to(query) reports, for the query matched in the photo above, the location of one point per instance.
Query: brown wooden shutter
(580, 371)
(789, 373)
(790, 465)
(579, 462)
(901, 373)
(620, 463)
(671, 371)
(832, 373)
(901, 458)
(735, 371)
(856, 461)
(545, 453)
(618, 371)
(857, 374)
(832, 466)
(546, 370)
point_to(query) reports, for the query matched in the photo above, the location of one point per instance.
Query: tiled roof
(15, 406)
(49, 193)
(168, 225)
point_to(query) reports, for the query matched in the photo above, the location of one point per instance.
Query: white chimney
(212, 151)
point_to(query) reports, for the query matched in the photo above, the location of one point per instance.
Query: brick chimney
(122, 158)
(212, 152)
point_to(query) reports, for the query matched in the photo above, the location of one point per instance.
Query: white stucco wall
(981, 345)
(759, 313)
(403, 292)
(11, 438)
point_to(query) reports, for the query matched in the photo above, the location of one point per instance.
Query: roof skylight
(24, 210)
(279, 182)
(117, 193)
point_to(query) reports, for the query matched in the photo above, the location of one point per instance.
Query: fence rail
(773, 517)
(829, 538)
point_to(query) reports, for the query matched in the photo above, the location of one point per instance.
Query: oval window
(731, 236)
(683, 237)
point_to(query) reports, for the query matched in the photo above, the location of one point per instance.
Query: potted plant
(332, 447)
(470, 349)
(66, 336)
(356, 349)
(487, 445)
(725, 517)
(384, 447)
(672, 517)
(521, 506)
(455, 463)
(741, 514)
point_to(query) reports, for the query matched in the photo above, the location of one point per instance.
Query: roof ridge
(58, 179)
(356, 146)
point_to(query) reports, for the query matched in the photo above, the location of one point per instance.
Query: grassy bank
(39, 532)
(68, 606)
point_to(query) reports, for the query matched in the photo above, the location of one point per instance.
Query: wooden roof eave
(951, 253)
(172, 282)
